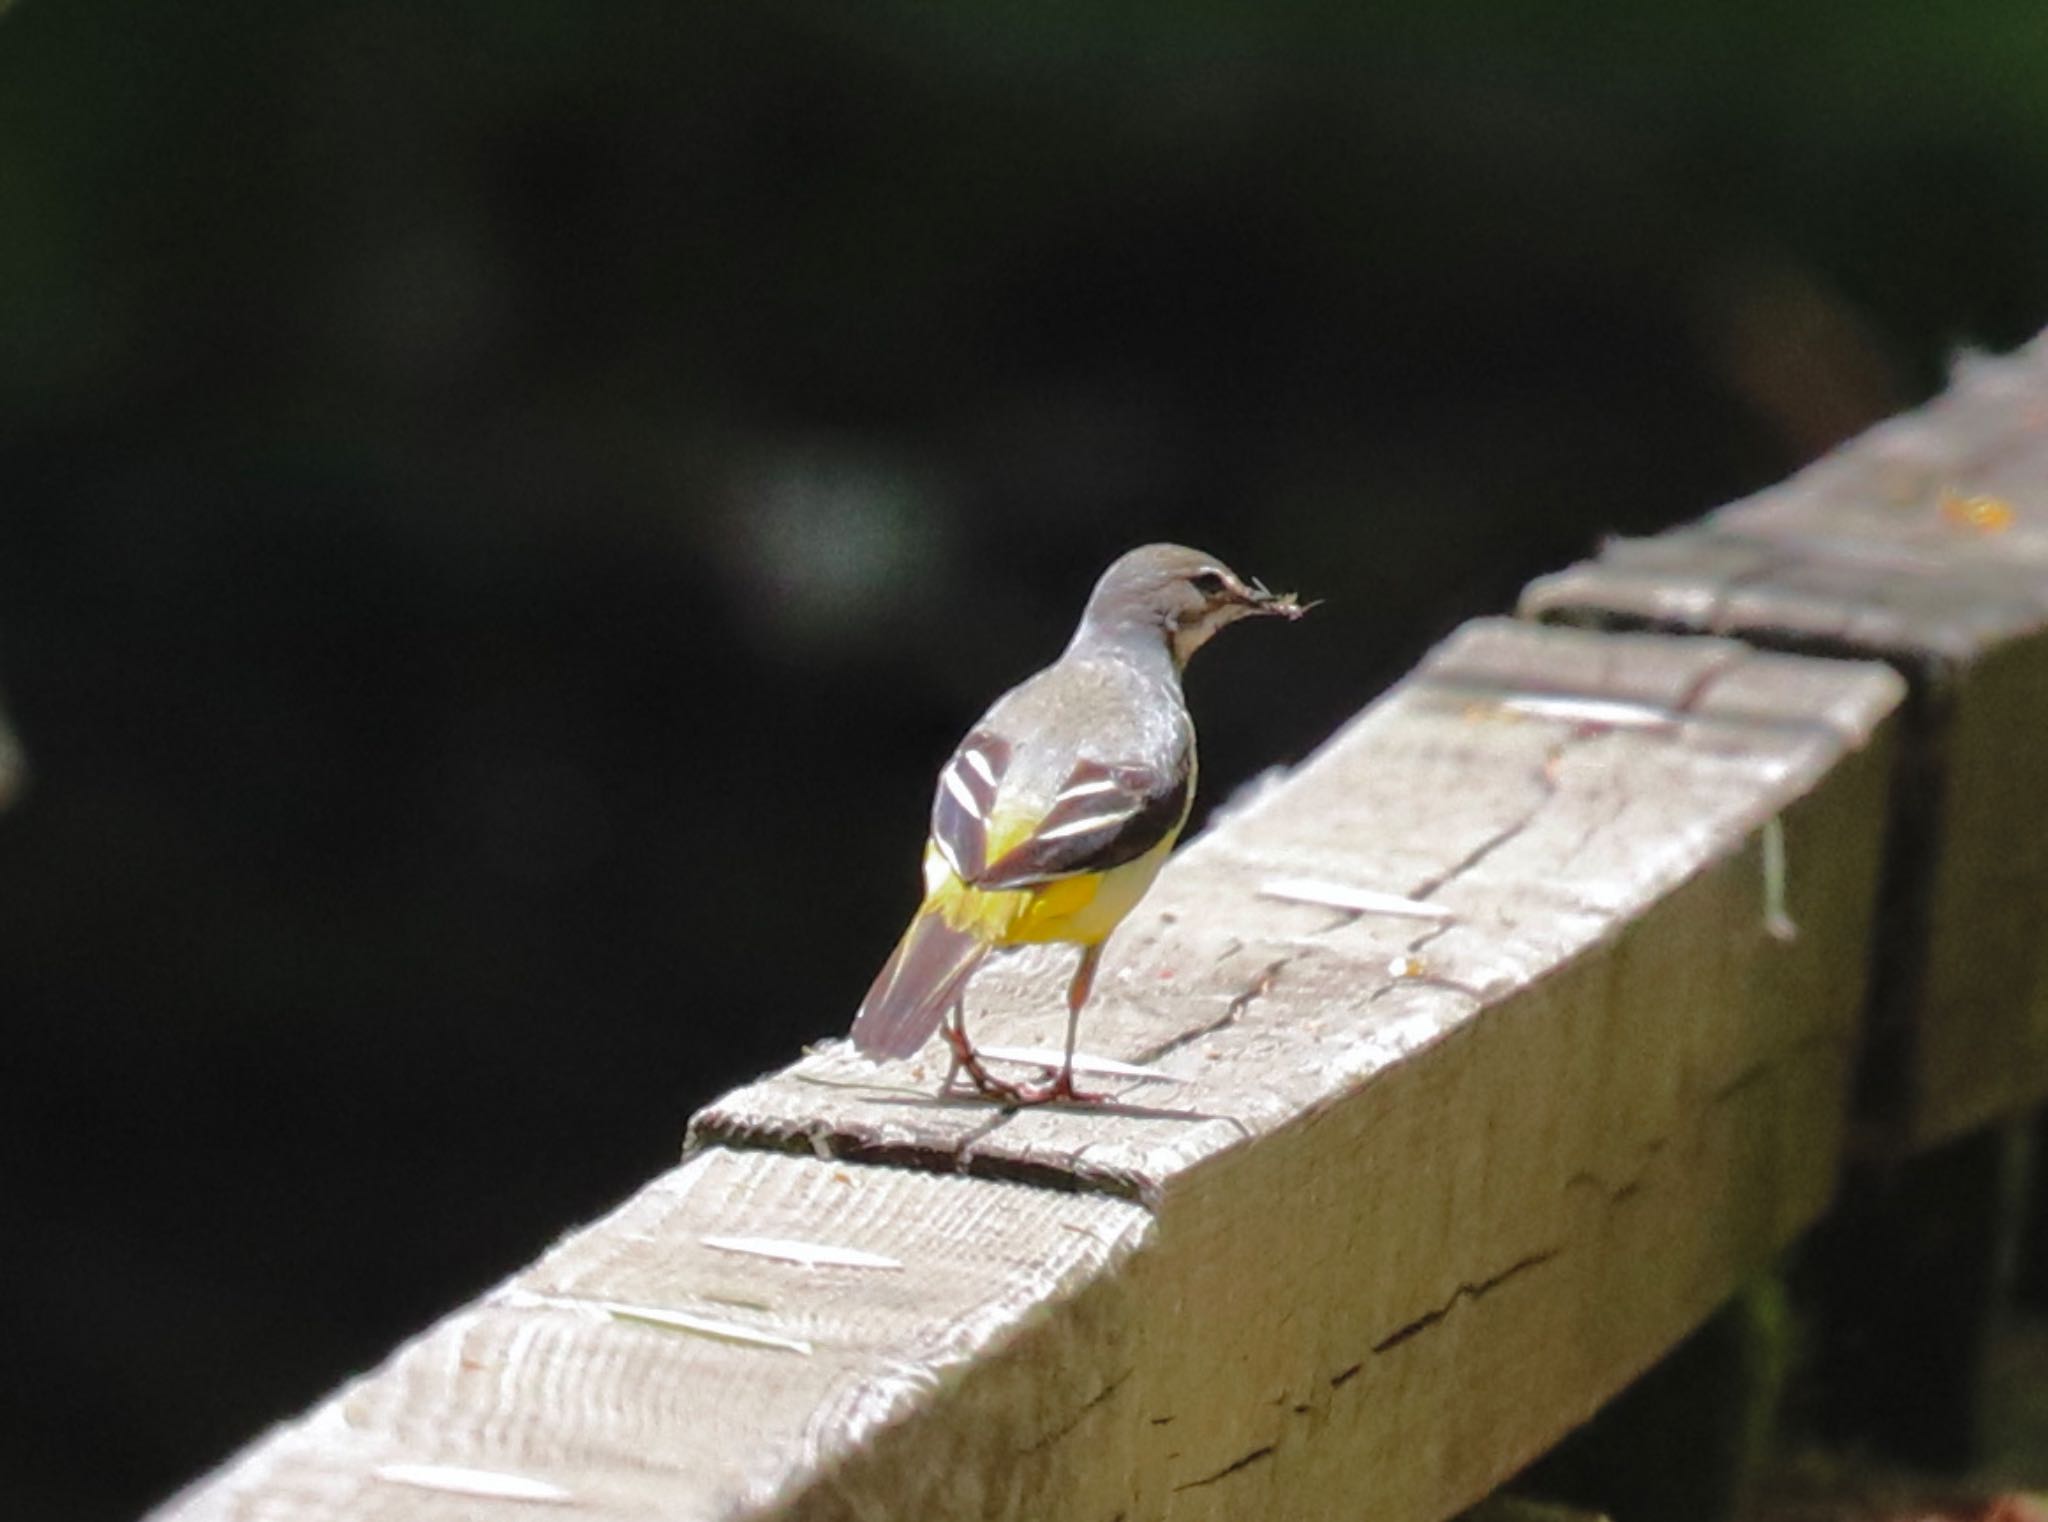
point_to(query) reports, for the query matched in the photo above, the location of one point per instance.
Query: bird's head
(1183, 594)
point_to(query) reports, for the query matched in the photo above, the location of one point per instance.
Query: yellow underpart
(1083, 909)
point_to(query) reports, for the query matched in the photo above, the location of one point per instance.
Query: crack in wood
(1754, 1073)
(1473, 1290)
(1747, 1078)
(1228, 1469)
(1696, 690)
(1080, 1414)
(1546, 784)
(1239, 1003)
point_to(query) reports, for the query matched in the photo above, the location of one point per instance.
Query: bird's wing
(1102, 815)
(965, 803)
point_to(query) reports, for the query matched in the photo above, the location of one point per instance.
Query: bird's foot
(967, 1060)
(1061, 1086)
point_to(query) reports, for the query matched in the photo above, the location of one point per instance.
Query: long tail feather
(911, 993)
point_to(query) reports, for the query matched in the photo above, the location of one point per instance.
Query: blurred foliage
(502, 507)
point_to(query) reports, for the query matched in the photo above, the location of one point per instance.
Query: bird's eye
(1208, 583)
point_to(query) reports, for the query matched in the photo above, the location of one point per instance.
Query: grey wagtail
(1056, 812)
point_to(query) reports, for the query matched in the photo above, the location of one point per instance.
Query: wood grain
(570, 1379)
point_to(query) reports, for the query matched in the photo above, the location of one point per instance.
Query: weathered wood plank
(1428, 1192)
(614, 1378)
(1925, 543)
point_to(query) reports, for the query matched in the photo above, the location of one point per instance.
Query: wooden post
(1498, 1044)
(1925, 544)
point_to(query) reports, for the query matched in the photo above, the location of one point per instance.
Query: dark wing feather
(965, 797)
(1102, 817)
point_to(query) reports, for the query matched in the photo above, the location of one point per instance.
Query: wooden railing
(1497, 1044)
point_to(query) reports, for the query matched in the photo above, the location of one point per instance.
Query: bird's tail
(910, 995)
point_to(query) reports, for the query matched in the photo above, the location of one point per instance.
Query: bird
(1053, 816)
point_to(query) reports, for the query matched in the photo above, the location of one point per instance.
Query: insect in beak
(1280, 604)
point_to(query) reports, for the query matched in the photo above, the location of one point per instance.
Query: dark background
(503, 506)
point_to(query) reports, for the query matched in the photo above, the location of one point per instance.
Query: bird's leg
(965, 1059)
(1062, 1086)
(952, 1047)
(1077, 995)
